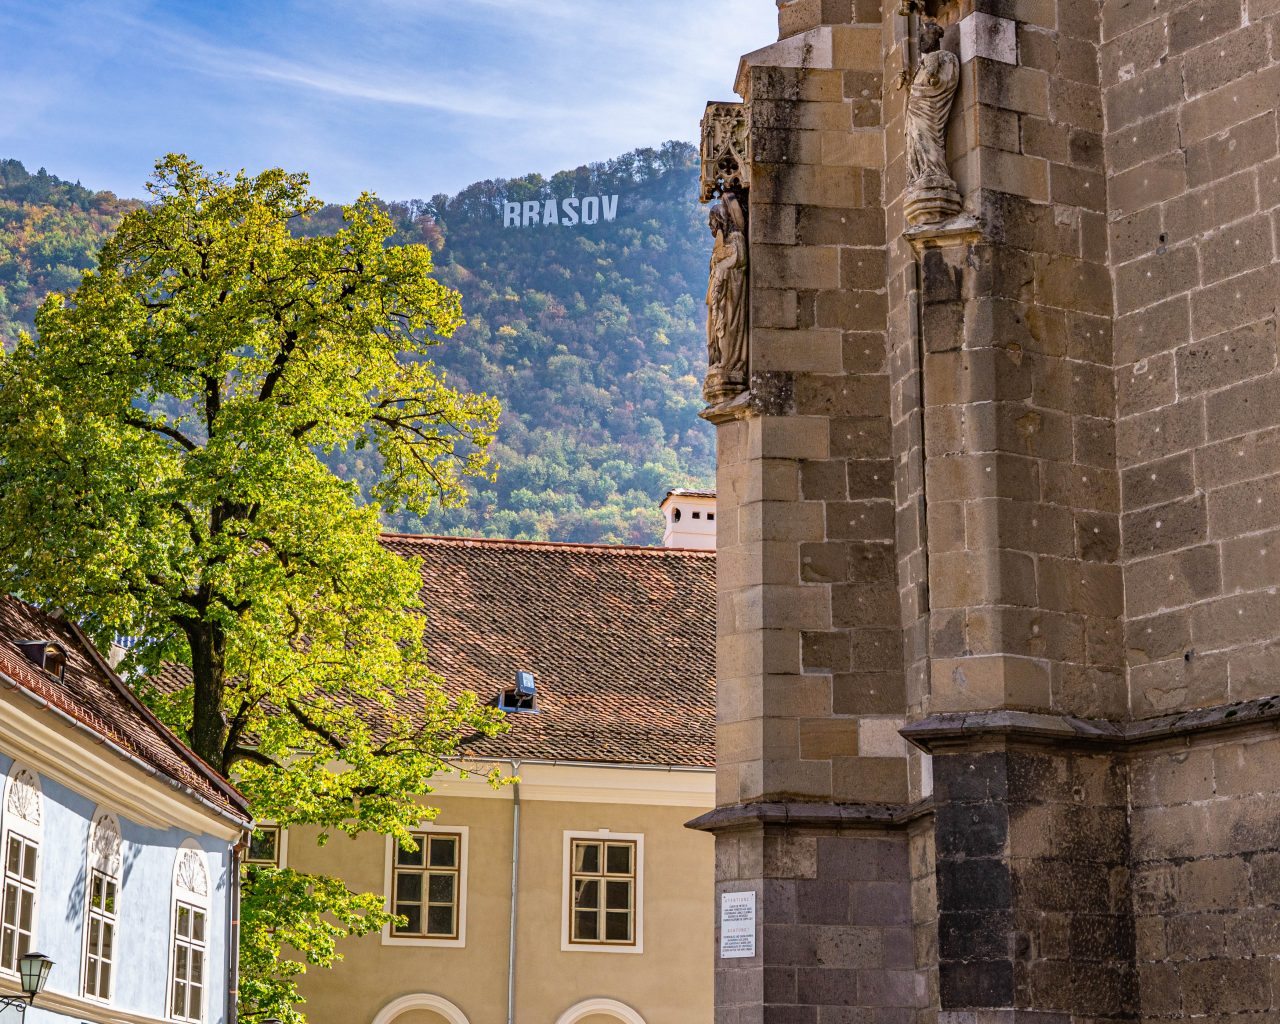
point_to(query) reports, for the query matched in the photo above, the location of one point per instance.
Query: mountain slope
(591, 335)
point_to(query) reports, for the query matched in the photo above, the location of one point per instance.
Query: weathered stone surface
(1021, 462)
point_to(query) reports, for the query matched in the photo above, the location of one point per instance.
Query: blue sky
(403, 97)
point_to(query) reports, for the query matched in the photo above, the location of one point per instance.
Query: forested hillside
(50, 231)
(591, 335)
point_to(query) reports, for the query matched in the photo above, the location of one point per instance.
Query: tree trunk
(208, 643)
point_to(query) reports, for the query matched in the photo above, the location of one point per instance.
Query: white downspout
(515, 885)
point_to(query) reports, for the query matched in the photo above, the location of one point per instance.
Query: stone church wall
(1003, 483)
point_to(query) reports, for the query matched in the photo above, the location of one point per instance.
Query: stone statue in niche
(931, 195)
(727, 302)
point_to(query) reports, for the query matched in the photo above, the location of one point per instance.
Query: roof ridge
(618, 549)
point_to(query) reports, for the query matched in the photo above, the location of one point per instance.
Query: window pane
(586, 893)
(413, 917)
(29, 863)
(617, 926)
(411, 858)
(440, 920)
(197, 925)
(262, 847)
(180, 961)
(179, 998)
(444, 852)
(13, 861)
(24, 944)
(91, 977)
(108, 935)
(10, 903)
(197, 967)
(617, 895)
(586, 926)
(104, 981)
(586, 857)
(110, 906)
(409, 887)
(94, 925)
(28, 909)
(440, 889)
(196, 1007)
(6, 949)
(619, 859)
(184, 922)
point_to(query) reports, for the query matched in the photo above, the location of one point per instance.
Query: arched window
(23, 830)
(190, 924)
(101, 905)
(591, 1010)
(435, 1005)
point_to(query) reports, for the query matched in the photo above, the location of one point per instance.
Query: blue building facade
(118, 848)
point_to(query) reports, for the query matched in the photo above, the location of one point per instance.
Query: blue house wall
(143, 931)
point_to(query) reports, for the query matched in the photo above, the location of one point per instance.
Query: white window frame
(24, 817)
(191, 887)
(105, 857)
(389, 938)
(566, 893)
(282, 847)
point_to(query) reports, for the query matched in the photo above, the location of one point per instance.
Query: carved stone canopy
(726, 165)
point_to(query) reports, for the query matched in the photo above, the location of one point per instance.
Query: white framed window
(603, 895)
(189, 921)
(102, 898)
(427, 885)
(268, 847)
(99, 954)
(23, 831)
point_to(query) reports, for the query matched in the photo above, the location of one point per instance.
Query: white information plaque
(737, 924)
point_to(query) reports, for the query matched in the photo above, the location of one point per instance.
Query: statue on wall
(727, 302)
(931, 195)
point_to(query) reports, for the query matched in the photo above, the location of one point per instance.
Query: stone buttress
(999, 514)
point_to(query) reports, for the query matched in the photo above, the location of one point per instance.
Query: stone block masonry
(999, 547)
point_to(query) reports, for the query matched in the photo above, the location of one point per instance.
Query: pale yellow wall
(670, 982)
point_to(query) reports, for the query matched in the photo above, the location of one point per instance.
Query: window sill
(410, 940)
(587, 947)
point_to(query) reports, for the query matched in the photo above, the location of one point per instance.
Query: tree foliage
(592, 336)
(50, 232)
(162, 476)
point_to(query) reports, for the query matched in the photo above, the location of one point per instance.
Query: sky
(405, 98)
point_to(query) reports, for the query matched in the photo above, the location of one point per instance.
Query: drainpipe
(233, 934)
(515, 884)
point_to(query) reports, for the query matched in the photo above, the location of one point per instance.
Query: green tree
(162, 475)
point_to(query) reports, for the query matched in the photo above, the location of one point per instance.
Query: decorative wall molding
(726, 151)
(959, 730)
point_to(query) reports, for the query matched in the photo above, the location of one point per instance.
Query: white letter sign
(570, 211)
(737, 924)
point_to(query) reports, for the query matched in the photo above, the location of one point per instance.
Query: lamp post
(33, 970)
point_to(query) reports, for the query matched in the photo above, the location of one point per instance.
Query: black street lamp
(33, 970)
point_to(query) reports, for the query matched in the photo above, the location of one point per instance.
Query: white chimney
(691, 520)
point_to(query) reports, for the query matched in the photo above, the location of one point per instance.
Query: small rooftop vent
(46, 654)
(523, 697)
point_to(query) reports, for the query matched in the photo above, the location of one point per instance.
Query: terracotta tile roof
(621, 642)
(91, 694)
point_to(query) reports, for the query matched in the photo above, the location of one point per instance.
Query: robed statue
(931, 195)
(727, 302)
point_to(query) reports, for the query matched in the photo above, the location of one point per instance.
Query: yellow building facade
(575, 895)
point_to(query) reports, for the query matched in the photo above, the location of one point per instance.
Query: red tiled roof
(621, 642)
(98, 700)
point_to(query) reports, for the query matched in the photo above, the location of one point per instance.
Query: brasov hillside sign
(565, 212)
